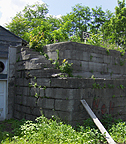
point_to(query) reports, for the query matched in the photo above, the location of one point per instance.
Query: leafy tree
(33, 25)
(98, 19)
(28, 19)
(115, 30)
(37, 11)
(81, 19)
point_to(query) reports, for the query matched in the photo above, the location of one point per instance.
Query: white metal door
(2, 100)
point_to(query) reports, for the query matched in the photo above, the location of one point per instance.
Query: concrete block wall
(11, 81)
(90, 60)
(38, 92)
(61, 97)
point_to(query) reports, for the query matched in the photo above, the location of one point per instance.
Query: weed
(78, 76)
(91, 57)
(44, 88)
(54, 130)
(122, 54)
(93, 77)
(35, 85)
(122, 62)
(91, 71)
(66, 67)
(36, 95)
(104, 86)
(18, 59)
(40, 86)
(46, 56)
(113, 96)
(107, 69)
(111, 73)
(34, 77)
(30, 85)
(108, 52)
(121, 86)
(111, 86)
(96, 86)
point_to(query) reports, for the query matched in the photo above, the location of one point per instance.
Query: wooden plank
(98, 123)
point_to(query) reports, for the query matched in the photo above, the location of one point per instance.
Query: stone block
(74, 54)
(85, 66)
(39, 102)
(107, 59)
(66, 83)
(36, 73)
(67, 54)
(12, 55)
(48, 103)
(52, 55)
(95, 67)
(43, 82)
(20, 65)
(64, 105)
(26, 91)
(80, 116)
(65, 116)
(30, 117)
(31, 101)
(18, 74)
(60, 93)
(24, 100)
(42, 93)
(19, 82)
(36, 112)
(34, 91)
(19, 90)
(17, 114)
(26, 82)
(86, 56)
(116, 69)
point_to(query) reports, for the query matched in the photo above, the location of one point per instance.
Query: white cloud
(9, 8)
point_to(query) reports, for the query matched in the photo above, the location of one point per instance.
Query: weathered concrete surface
(90, 60)
(38, 92)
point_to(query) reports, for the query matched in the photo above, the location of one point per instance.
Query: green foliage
(114, 30)
(113, 96)
(111, 86)
(106, 29)
(96, 86)
(66, 67)
(121, 86)
(122, 62)
(54, 130)
(95, 39)
(44, 87)
(92, 77)
(91, 71)
(75, 38)
(120, 132)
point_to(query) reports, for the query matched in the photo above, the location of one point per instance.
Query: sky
(9, 8)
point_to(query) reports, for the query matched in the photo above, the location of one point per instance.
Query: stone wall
(11, 81)
(37, 91)
(90, 60)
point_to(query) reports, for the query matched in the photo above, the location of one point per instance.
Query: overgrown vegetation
(106, 29)
(46, 131)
